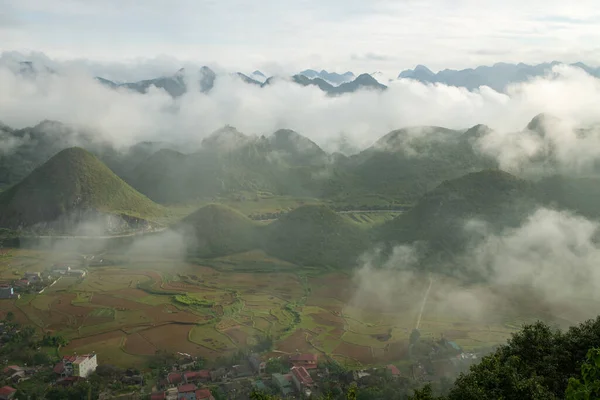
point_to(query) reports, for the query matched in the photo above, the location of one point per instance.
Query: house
(22, 283)
(257, 364)
(158, 396)
(186, 392)
(79, 366)
(196, 376)
(11, 369)
(7, 393)
(393, 370)
(283, 383)
(302, 380)
(18, 377)
(204, 394)
(6, 292)
(218, 374)
(308, 360)
(175, 378)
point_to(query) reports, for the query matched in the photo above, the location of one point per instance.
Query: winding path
(424, 301)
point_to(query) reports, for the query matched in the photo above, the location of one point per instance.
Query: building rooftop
(7, 391)
(394, 370)
(188, 387)
(175, 378)
(158, 396)
(283, 380)
(202, 374)
(302, 375)
(202, 394)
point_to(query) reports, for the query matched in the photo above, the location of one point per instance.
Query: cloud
(72, 96)
(544, 269)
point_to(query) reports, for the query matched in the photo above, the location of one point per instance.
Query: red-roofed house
(175, 378)
(302, 380)
(394, 370)
(7, 393)
(11, 369)
(204, 394)
(59, 369)
(187, 392)
(308, 361)
(197, 376)
(158, 396)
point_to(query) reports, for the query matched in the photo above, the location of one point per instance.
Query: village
(182, 376)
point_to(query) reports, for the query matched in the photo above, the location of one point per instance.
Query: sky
(284, 36)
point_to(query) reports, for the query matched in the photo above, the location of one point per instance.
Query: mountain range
(498, 76)
(432, 173)
(180, 82)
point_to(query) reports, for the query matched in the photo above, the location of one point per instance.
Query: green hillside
(407, 163)
(217, 230)
(315, 235)
(72, 181)
(580, 195)
(439, 217)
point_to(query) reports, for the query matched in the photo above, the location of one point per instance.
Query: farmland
(127, 311)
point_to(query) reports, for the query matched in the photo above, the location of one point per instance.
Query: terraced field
(127, 311)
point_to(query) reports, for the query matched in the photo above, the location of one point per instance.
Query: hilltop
(69, 187)
(315, 235)
(216, 230)
(439, 217)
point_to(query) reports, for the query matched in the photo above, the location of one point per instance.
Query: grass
(71, 176)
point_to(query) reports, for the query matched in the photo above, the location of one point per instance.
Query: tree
(589, 389)
(10, 316)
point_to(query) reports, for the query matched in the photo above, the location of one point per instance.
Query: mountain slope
(315, 236)
(217, 230)
(72, 182)
(406, 163)
(440, 216)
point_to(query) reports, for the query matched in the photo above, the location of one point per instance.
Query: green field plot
(42, 302)
(103, 313)
(208, 336)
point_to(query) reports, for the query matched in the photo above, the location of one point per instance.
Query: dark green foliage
(316, 236)
(263, 343)
(537, 363)
(588, 387)
(276, 365)
(70, 182)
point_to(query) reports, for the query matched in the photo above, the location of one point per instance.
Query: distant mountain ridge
(178, 84)
(497, 76)
(331, 77)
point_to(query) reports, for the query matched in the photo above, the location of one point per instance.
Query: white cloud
(73, 97)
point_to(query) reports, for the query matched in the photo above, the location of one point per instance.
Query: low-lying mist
(544, 269)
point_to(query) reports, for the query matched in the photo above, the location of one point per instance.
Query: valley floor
(133, 305)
